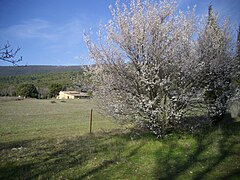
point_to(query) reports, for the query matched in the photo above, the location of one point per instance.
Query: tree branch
(9, 55)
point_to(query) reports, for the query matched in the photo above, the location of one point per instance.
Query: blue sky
(50, 32)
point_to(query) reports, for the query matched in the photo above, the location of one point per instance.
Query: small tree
(27, 90)
(214, 51)
(8, 54)
(54, 89)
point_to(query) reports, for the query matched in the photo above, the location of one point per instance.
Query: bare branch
(8, 54)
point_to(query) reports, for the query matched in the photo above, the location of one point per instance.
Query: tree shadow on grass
(9, 153)
(14, 171)
(48, 159)
(15, 144)
(214, 148)
(107, 163)
(201, 156)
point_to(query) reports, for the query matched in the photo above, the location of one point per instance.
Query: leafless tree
(9, 55)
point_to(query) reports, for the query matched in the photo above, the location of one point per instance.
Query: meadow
(49, 139)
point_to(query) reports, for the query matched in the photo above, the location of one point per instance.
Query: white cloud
(56, 36)
(55, 40)
(70, 34)
(31, 29)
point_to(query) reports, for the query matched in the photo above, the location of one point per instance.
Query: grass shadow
(199, 156)
(49, 158)
(213, 147)
(15, 144)
(105, 164)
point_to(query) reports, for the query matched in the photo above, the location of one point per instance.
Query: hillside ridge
(35, 69)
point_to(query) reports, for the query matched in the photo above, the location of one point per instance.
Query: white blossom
(150, 68)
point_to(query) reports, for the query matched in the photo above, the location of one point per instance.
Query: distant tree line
(47, 85)
(30, 91)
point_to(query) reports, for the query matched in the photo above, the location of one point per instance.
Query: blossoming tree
(215, 52)
(150, 67)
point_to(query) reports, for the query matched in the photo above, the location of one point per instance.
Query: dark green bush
(27, 90)
(54, 89)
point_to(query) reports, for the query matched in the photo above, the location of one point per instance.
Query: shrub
(54, 89)
(27, 90)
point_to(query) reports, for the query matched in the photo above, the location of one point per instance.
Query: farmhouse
(72, 95)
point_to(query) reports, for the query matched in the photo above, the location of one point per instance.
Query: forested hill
(26, 70)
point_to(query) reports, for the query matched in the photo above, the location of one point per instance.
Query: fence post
(91, 121)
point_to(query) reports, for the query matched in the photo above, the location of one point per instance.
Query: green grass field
(43, 119)
(44, 140)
